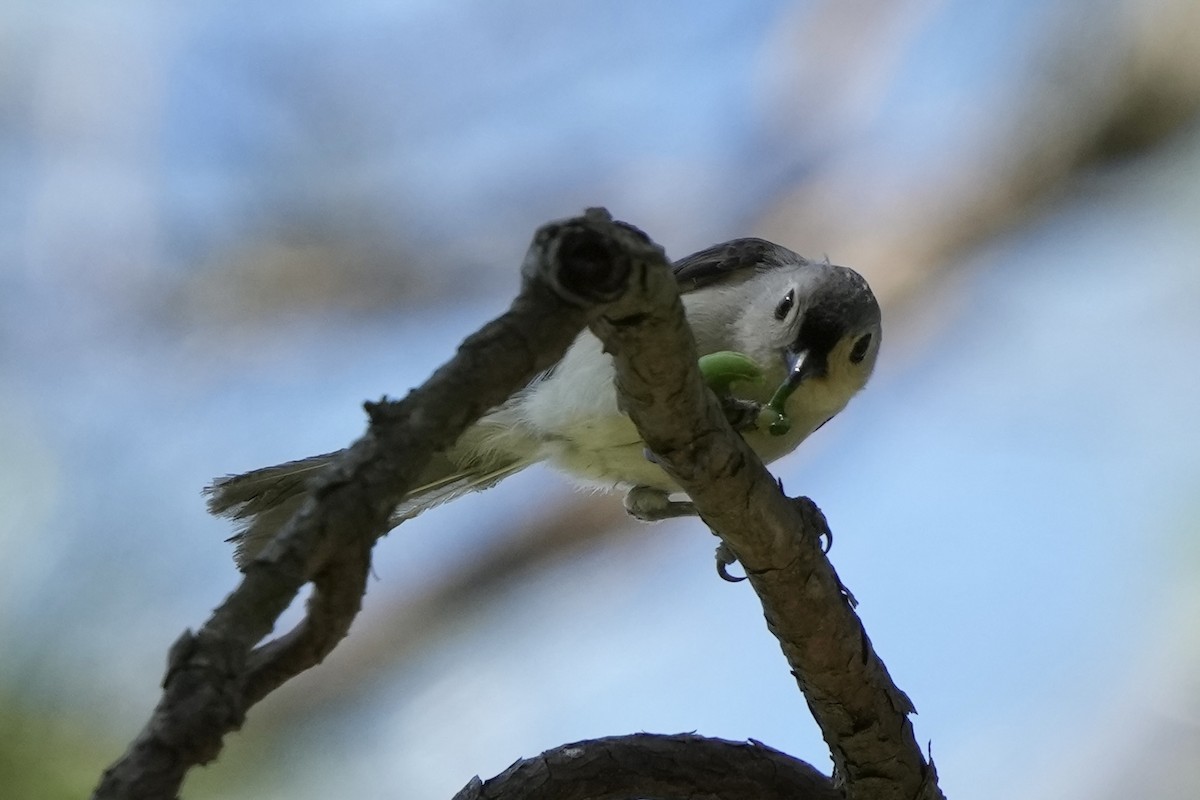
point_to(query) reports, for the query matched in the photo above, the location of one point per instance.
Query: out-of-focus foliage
(50, 755)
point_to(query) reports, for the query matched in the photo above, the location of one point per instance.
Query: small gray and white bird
(810, 326)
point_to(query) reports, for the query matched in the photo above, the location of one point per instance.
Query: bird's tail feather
(262, 501)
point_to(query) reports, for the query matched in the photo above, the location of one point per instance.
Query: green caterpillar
(722, 369)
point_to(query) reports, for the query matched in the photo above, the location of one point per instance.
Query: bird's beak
(802, 365)
(798, 367)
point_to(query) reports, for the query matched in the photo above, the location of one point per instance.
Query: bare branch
(214, 675)
(584, 270)
(649, 765)
(861, 712)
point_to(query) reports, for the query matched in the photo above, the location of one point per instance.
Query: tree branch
(862, 714)
(587, 270)
(213, 676)
(650, 765)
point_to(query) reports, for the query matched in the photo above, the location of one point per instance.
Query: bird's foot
(653, 505)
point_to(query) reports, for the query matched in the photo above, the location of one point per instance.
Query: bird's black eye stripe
(859, 351)
(785, 305)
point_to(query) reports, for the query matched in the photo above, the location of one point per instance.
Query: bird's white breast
(571, 418)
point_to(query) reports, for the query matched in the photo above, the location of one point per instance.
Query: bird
(813, 329)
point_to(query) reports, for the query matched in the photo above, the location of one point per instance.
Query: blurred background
(224, 225)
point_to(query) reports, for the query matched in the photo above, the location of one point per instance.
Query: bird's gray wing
(729, 260)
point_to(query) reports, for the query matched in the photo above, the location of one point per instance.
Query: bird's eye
(859, 351)
(785, 305)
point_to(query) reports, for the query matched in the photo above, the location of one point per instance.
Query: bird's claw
(725, 557)
(847, 595)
